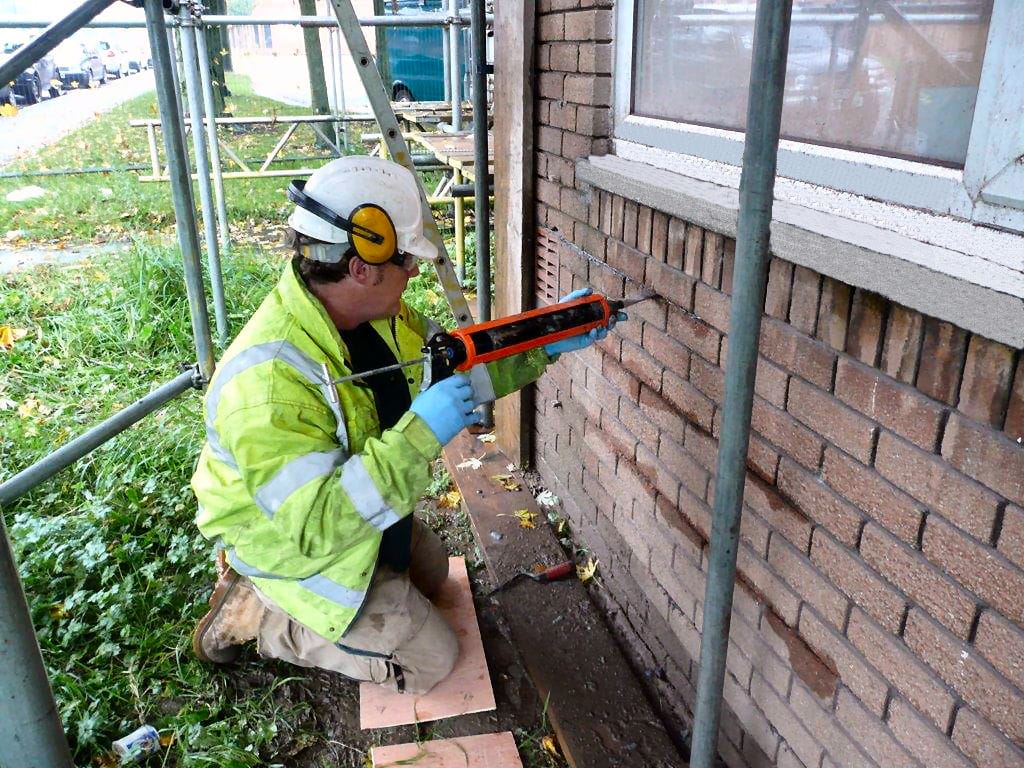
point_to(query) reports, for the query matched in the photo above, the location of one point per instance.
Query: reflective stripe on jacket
(300, 489)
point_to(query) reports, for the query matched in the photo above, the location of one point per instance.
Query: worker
(309, 497)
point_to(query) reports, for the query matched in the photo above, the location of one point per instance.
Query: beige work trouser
(398, 639)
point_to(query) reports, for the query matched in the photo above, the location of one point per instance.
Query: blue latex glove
(584, 340)
(447, 407)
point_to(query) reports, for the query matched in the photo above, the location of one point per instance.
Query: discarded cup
(136, 745)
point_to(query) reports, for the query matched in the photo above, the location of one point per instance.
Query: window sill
(964, 274)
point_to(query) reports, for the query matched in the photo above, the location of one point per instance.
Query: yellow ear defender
(373, 218)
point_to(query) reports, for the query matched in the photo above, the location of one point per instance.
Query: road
(46, 122)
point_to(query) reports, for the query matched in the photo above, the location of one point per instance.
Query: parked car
(79, 65)
(6, 94)
(139, 59)
(115, 58)
(40, 78)
(416, 54)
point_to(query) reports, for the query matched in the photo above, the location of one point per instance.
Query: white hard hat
(368, 202)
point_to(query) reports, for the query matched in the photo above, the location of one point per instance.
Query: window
(910, 101)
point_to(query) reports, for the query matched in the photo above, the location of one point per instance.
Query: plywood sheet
(491, 750)
(467, 689)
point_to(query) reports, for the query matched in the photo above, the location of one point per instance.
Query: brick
(551, 27)
(826, 729)
(1014, 425)
(755, 724)
(627, 260)
(676, 244)
(857, 581)
(593, 121)
(798, 572)
(922, 739)
(982, 743)
(803, 744)
(786, 433)
(762, 458)
(591, 25)
(771, 589)
(708, 378)
(689, 400)
(684, 466)
(838, 653)
(759, 654)
(561, 114)
(575, 145)
(711, 265)
(870, 733)
(643, 229)
(901, 667)
(780, 515)
(902, 349)
(671, 283)
(1011, 536)
(635, 420)
(896, 406)
(666, 349)
(629, 224)
(549, 139)
(942, 360)
(969, 675)
(803, 308)
(867, 325)
(659, 236)
(695, 334)
(985, 388)
(930, 480)
(595, 58)
(870, 492)
(670, 421)
(728, 264)
(780, 284)
(838, 424)
(712, 306)
(550, 84)
(976, 566)
(987, 456)
(693, 255)
(819, 503)
(1002, 643)
(921, 581)
(833, 313)
(784, 346)
(563, 57)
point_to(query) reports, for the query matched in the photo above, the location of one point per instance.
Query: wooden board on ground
(491, 750)
(595, 703)
(467, 689)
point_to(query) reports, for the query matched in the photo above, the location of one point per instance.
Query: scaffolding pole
(190, 58)
(211, 139)
(750, 277)
(481, 177)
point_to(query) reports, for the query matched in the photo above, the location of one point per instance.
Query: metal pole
(195, 109)
(481, 209)
(341, 81)
(181, 185)
(446, 62)
(71, 452)
(757, 184)
(454, 50)
(172, 42)
(31, 734)
(211, 138)
(50, 38)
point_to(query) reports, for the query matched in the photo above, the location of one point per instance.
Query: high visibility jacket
(299, 489)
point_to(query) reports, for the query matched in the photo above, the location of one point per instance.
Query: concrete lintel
(972, 293)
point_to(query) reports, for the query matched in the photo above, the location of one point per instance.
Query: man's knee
(430, 656)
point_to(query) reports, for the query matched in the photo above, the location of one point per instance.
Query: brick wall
(880, 603)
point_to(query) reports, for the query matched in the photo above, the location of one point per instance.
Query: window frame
(988, 190)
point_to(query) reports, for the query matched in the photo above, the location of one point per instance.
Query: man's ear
(360, 271)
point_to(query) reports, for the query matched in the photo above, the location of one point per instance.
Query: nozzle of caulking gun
(617, 304)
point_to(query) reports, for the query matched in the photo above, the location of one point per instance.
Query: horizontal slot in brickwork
(883, 520)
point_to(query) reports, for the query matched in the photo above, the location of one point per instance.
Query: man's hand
(447, 407)
(584, 340)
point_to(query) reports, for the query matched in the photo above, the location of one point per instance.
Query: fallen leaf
(587, 571)
(57, 611)
(488, 438)
(449, 500)
(507, 482)
(527, 519)
(548, 742)
(511, 467)
(28, 407)
(6, 403)
(8, 110)
(547, 499)
(167, 739)
(471, 463)
(10, 334)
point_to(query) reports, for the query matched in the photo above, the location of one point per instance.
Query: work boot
(234, 618)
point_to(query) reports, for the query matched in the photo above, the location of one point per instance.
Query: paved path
(44, 123)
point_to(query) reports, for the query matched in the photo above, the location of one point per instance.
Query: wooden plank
(468, 687)
(513, 211)
(596, 705)
(489, 750)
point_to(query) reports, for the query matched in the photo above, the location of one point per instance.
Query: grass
(115, 571)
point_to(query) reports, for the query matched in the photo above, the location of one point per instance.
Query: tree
(314, 61)
(220, 55)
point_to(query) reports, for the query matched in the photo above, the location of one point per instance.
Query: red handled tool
(554, 573)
